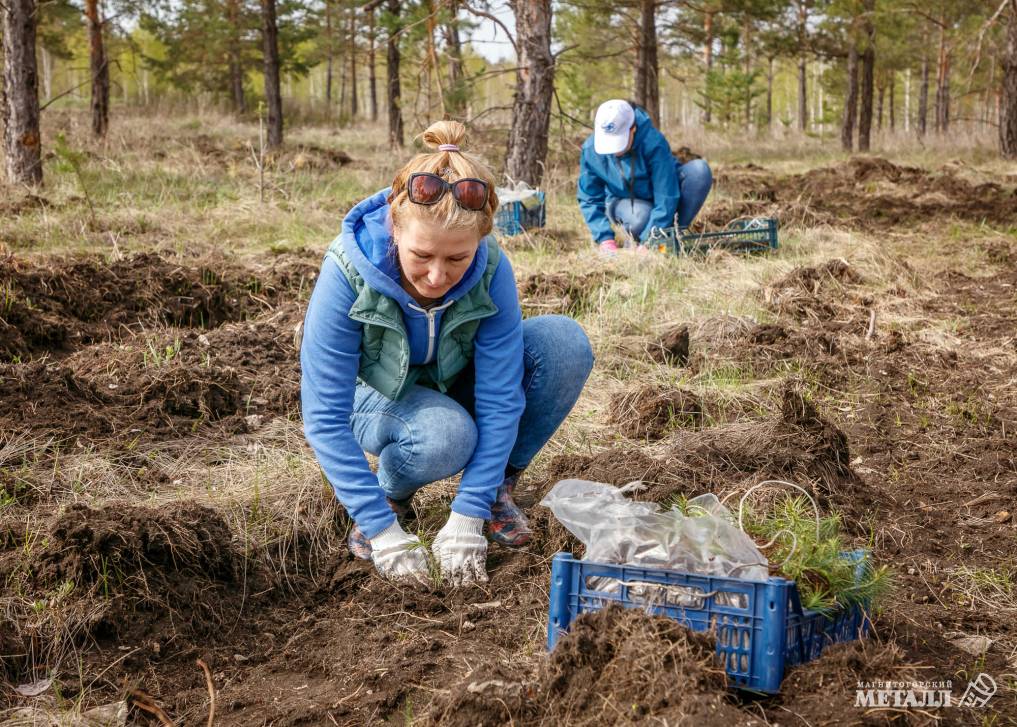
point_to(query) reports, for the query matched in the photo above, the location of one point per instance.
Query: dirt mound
(823, 691)
(568, 293)
(652, 411)
(865, 192)
(615, 666)
(233, 377)
(309, 157)
(67, 305)
(798, 444)
(818, 293)
(169, 558)
(672, 348)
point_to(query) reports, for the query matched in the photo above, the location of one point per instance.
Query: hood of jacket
(366, 238)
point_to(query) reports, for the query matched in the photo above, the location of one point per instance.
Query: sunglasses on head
(426, 188)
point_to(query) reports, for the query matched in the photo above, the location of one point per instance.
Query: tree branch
(981, 36)
(483, 14)
(65, 93)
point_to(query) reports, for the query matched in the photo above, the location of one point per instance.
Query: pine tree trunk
(708, 61)
(1008, 97)
(847, 128)
(923, 98)
(235, 61)
(19, 100)
(395, 115)
(342, 80)
(647, 83)
(99, 69)
(372, 79)
(354, 101)
(531, 111)
(940, 76)
(803, 95)
(456, 73)
(329, 53)
(867, 78)
(273, 94)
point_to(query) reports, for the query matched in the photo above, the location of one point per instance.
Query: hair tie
(448, 147)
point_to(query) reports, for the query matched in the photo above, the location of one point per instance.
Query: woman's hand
(400, 556)
(461, 550)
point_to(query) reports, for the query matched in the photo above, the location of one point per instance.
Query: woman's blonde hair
(450, 166)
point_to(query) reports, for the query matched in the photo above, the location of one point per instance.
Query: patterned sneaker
(359, 544)
(509, 525)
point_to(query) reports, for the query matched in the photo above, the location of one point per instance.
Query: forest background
(848, 73)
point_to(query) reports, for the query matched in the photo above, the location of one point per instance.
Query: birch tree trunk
(531, 110)
(19, 104)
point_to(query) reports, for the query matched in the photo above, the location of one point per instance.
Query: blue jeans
(427, 436)
(694, 182)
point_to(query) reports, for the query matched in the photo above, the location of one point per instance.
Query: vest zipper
(430, 313)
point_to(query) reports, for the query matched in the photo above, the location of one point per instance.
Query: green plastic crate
(741, 236)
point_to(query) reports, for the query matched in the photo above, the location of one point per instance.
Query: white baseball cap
(612, 126)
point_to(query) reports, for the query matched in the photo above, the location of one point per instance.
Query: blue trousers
(427, 436)
(694, 182)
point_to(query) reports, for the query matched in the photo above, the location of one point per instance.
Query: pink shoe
(608, 248)
(508, 525)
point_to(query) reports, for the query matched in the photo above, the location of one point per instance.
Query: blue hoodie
(648, 171)
(330, 360)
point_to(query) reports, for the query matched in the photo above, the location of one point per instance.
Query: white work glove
(461, 550)
(400, 556)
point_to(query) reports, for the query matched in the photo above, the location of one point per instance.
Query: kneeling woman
(414, 349)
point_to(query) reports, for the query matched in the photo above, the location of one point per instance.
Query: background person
(414, 349)
(628, 176)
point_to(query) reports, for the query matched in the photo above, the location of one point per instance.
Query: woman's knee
(561, 337)
(444, 442)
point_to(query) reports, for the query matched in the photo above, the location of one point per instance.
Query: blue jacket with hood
(330, 360)
(648, 171)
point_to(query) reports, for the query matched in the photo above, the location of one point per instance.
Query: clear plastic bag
(614, 529)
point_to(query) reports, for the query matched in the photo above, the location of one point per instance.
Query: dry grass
(188, 187)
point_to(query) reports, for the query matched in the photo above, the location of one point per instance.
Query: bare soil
(909, 435)
(867, 193)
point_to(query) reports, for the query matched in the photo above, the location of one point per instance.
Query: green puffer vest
(384, 345)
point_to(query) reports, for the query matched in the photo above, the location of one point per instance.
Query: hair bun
(445, 132)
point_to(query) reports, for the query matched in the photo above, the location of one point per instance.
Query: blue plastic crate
(760, 626)
(743, 236)
(513, 217)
